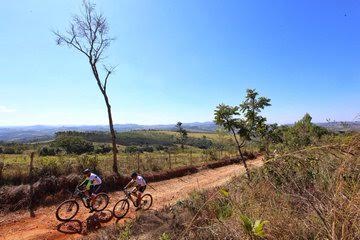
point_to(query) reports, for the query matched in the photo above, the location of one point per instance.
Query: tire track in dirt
(19, 225)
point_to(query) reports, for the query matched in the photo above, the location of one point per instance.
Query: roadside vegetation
(308, 188)
(145, 151)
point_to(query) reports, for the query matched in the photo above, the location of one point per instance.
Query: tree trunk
(108, 106)
(113, 135)
(241, 155)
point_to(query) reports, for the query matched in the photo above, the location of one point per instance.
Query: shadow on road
(92, 223)
(70, 227)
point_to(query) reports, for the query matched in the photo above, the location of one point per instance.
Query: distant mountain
(43, 133)
(341, 126)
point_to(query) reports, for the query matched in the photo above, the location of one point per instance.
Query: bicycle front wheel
(121, 208)
(67, 210)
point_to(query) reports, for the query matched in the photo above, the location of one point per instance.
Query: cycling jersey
(94, 179)
(140, 181)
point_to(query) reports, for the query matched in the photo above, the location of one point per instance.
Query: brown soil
(20, 226)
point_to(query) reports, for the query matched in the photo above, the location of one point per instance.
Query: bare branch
(108, 72)
(70, 42)
(88, 33)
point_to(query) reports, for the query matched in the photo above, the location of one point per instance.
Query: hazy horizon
(177, 60)
(355, 120)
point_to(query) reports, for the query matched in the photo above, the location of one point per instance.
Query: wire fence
(14, 168)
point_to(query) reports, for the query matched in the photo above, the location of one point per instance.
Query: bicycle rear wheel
(67, 210)
(121, 208)
(146, 201)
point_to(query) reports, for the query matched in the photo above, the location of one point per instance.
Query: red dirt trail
(19, 225)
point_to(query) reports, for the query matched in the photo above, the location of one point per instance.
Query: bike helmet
(134, 174)
(86, 171)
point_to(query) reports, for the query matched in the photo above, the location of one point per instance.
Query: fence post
(169, 159)
(138, 161)
(31, 191)
(191, 159)
(1, 169)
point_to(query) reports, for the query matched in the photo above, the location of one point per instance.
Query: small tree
(245, 122)
(257, 129)
(226, 117)
(89, 34)
(183, 134)
(269, 133)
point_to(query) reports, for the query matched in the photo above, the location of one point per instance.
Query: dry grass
(309, 194)
(15, 170)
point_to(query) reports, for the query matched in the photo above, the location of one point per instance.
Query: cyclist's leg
(133, 194)
(141, 190)
(94, 190)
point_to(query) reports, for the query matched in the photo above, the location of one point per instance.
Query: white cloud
(4, 109)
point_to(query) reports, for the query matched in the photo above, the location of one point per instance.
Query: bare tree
(89, 34)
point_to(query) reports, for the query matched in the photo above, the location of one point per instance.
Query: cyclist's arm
(83, 183)
(127, 185)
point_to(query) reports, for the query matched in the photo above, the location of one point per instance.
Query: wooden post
(169, 159)
(31, 191)
(191, 159)
(138, 161)
(1, 168)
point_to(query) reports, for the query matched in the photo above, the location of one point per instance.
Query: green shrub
(49, 151)
(165, 236)
(9, 150)
(102, 149)
(302, 133)
(48, 167)
(88, 161)
(74, 145)
(253, 228)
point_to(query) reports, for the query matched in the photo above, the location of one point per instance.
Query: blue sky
(177, 60)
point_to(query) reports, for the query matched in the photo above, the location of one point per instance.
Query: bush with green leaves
(302, 133)
(88, 161)
(202, 143)
(102, 149)
(73, 145)
(138, 149)
(254, 229)
(165, 236)
(10, 150)
(50, 151)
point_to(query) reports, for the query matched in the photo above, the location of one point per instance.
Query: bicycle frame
(78, 194)
(128, 196)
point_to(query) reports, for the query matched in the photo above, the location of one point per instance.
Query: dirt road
(19, 226)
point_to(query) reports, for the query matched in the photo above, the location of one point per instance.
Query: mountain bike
(68, 209)
(121, 208)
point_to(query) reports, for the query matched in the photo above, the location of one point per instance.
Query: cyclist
(92, 185)
(138, 190)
